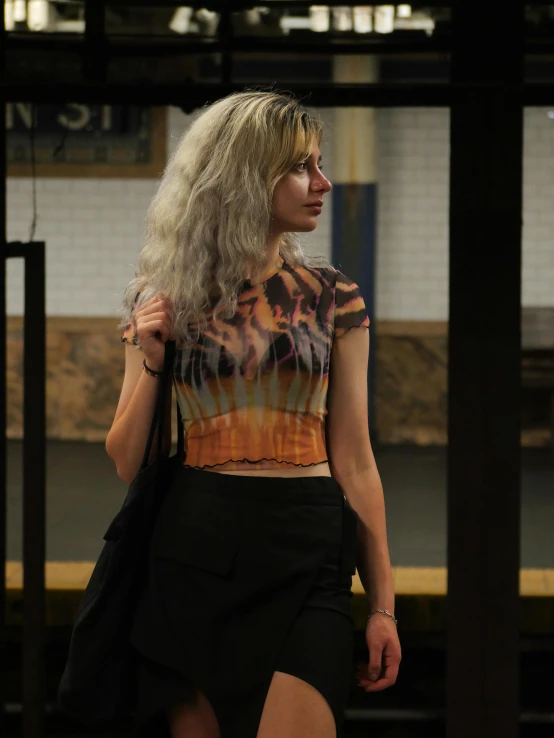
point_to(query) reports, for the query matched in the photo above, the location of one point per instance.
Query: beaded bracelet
(384, 612)
(151, 372)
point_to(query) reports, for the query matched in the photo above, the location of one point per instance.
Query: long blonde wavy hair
(210, 218)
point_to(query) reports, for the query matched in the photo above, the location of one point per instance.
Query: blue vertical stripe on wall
(354, 224)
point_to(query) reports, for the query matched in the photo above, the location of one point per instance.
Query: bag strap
(159, 410)
(181, 432)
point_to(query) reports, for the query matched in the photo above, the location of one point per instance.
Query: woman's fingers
(152, 323)
(387, 676)
(160, 315)
(155, 317)
(154, 305)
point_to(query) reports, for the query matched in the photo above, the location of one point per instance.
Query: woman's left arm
(353, 465)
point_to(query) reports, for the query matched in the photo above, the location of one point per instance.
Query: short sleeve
(129, 335)
(350, 311)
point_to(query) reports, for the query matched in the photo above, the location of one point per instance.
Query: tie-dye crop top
(254, 387)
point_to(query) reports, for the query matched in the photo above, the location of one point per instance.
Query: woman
(244, 627)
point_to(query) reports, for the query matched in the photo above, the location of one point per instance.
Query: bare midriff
(317, 470)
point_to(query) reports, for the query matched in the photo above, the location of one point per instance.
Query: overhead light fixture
(342, 18)
(180, 22)
(253, 17)
(404, 11)
(363, 19)
(416, 22)
(20, 11)
(319, 18)
(9, 22)
(38, 15)
(384, 18)
(210, 19)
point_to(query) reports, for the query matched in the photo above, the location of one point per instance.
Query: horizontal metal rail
(189, 97)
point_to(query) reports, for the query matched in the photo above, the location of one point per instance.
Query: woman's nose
(327, 186)
(322, 183)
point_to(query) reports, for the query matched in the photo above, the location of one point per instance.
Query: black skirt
(247, 576)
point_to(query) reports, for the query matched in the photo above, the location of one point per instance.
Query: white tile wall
(412, 216)
(94, 227)
(538, 209)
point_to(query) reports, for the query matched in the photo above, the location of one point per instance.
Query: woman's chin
(306, 224)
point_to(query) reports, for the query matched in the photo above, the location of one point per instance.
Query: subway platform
(84, 493)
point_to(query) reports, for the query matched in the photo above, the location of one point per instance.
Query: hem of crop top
(249, 461)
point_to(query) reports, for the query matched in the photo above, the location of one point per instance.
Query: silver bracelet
(384, 612)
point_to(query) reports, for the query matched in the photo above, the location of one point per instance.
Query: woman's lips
(314, 208)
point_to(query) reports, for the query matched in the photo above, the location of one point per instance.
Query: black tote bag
(99, 680)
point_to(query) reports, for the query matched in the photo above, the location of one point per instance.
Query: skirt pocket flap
(199, 548)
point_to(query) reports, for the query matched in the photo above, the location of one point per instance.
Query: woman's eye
(305, 164)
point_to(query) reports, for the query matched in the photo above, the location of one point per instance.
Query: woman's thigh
(295, 709)
(195, 719)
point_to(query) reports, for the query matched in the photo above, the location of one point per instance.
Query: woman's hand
(384, 655)
(153, 326)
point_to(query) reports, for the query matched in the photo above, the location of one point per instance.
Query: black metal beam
(34, 493)
(236, 5)
(94, 55)
(162, 46)
(115, 46)
(225, 35)
(3, 395)
(484, 421)
(192, 96)
(34, 484)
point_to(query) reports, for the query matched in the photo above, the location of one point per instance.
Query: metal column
(354, 198)
(484, 372)
(3, 441)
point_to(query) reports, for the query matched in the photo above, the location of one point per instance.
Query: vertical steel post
(484, 421)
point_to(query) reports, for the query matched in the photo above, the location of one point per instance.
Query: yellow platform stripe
(408, 580)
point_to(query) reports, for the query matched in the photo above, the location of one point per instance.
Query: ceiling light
(404, 11)
(289, 23)
(417, 22)
(363, 19)
(210, 19)
(384, 18)
(9, 22)
(342, 18)
(38, 15)
(20, 11)
(253, 17)
(319, 18)
(180, 22)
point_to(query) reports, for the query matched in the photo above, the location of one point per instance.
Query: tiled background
(94, 227)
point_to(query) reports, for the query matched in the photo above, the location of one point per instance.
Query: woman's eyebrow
(318, 161)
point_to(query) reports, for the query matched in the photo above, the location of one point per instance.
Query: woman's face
(295, 193)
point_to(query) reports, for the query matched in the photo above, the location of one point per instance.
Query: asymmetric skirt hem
(246, 576)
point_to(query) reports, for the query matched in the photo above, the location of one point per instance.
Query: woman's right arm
(126, 440)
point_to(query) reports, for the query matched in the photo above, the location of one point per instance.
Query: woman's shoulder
(326, 275)
(336, 278)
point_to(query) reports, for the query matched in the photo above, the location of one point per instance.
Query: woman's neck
(272, 265)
